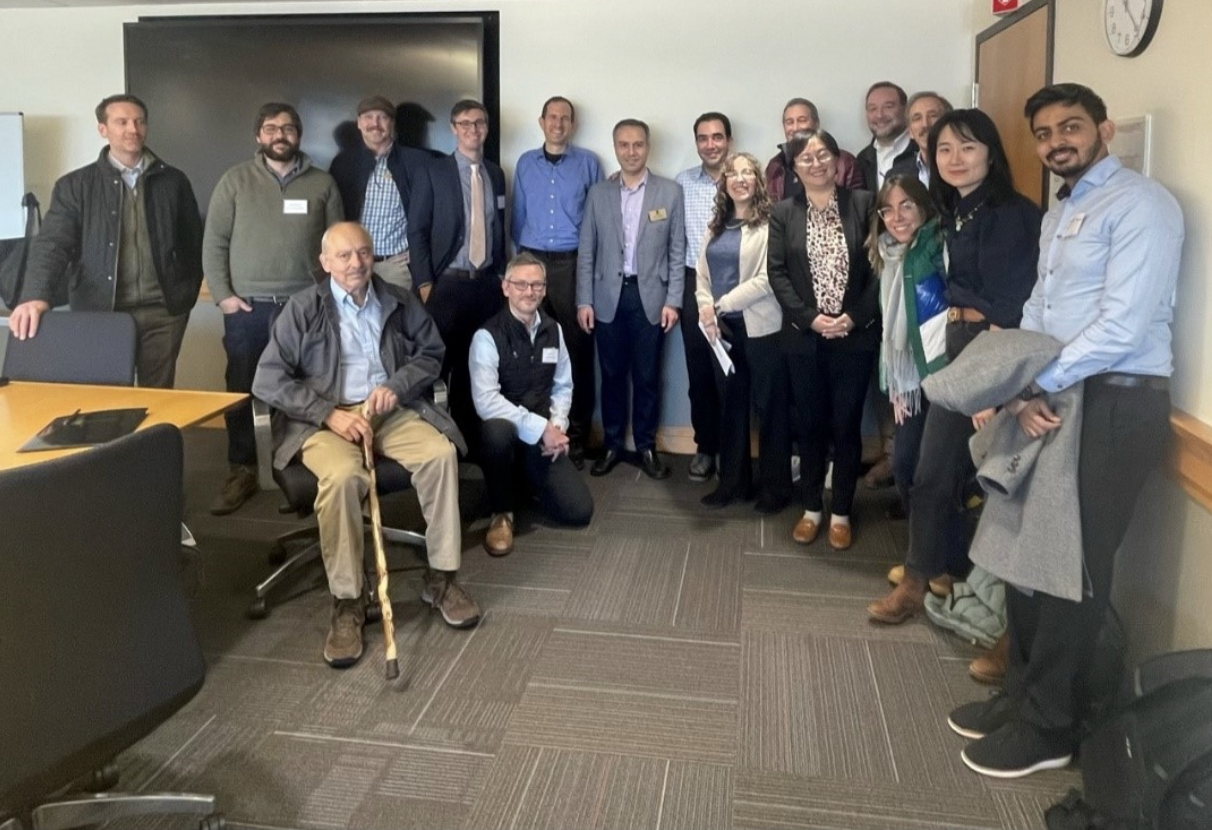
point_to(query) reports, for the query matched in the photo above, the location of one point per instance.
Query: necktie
(476, 247)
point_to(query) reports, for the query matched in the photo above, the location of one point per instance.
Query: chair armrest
(263, 433)
(441, 395)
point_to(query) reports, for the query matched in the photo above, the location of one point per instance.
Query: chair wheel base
(277, 555)
(258, 609)
(374, 613)
(214, 821)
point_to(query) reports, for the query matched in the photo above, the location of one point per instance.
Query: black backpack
(1150, 766)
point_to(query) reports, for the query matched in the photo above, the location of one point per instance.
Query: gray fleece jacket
(1030, 532)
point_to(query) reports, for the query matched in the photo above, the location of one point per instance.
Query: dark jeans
(561, 304)
(906, 451)
(629, 347)
(944, 467)
(1124, 434)
(459, 306)
(761, 381)
(507, 462)
(160, 337)
(245, 336)
(700, 373)
(829, 385)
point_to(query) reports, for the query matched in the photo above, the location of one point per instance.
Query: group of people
(816, 274)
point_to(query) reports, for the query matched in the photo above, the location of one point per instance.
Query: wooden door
(1013, 60)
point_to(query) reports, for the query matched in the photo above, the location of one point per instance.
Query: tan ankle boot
(904, 601)
(990, 667)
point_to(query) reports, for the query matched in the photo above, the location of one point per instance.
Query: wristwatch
(1032, 390)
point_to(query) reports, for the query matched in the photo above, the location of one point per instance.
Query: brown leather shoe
(896, 575)
(904, 601)
(840, 537)
(940, 586)
(805, 531)
(880, 474)
(990, 667)
(498, 541)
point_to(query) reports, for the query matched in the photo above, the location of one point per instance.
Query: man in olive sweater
(262, 240)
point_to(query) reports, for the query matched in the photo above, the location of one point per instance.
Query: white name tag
(500, 203)
(294, 206)
(551, 355)
(1075, 225)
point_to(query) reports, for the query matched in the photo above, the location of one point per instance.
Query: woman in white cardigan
(736, 305)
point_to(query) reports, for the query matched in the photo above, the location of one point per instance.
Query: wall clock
(1130, 25)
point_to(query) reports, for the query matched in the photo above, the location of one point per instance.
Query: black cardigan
(791, 275)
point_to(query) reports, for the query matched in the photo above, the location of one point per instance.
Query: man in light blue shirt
(713, 142)
(521, 383)
(1108, 268)
(549, 188)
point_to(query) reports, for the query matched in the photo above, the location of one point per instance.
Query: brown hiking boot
(241, 485)
(990, 667)
(905, 600)
(443, 593)
(343, 646)
(940, 586)
(498, 541)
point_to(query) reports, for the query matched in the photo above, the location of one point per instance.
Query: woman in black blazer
(823, 280)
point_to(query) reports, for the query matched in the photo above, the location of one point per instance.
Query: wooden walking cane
(376, 529)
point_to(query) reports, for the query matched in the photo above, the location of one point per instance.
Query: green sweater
(253, 246)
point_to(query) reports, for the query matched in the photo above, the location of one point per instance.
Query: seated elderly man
(350, 360)
(521, 383)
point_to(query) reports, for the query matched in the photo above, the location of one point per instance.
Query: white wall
(1165, 569)
(664, 61)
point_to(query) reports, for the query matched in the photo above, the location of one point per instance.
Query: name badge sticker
(657, 215)
(1075, 225)
(500, 203)
(551, 355)
(296, 207)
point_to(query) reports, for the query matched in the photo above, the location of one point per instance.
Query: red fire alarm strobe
(1004, 6)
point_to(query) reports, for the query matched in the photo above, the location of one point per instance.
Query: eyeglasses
(478, 124)
(823, 157)
(537, 287)
(747, 173)
(907, 206)
(274, 129)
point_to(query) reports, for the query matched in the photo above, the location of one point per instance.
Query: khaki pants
(343, 482)
(395, 270)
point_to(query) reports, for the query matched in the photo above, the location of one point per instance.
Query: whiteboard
(12, 176)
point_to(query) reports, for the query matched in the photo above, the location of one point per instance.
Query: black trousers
(829, 385)
(944, 467)
(701, 369)
(511, 466)
(245, 336)
(629, 347)
(1124, 434)
(561, 304)
(906, 451)
(759, 384)
(459, 306)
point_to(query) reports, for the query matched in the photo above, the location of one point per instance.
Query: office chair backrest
(76, 347)
(96, 643)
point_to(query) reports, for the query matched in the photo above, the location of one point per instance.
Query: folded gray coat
(1030, 531)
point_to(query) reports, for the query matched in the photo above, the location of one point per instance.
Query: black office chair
(75, 347)
(298, 485)
(97, 648)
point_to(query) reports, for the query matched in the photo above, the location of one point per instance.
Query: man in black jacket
(890, 142)
(375, 179)
(125, 234)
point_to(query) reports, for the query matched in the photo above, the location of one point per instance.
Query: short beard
(277, 155)
(1078, 168)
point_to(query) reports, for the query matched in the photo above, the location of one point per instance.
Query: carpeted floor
(666, 667)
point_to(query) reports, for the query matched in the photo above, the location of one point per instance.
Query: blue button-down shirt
(698, 194)
(631, 202)
(361, 335)
(383, 212)
(1108, 268)
(549, 199)
(484, 363)
(490, 212)
(130, 175)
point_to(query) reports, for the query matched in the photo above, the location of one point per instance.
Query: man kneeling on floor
(521, 382)
(350, 360)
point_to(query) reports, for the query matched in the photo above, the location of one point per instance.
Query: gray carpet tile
(810, 707)
(764, 801)
(840, 575)
(709, 599)
(553, 789)
(823, 614)
(631, 579)
(1023, 809)
(697, 796)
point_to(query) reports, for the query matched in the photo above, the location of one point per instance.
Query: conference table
(25, 408)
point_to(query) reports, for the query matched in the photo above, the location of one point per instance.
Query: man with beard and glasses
(262, 241)
(890, 141)
(1109, 257)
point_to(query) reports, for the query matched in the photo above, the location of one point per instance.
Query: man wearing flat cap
(375, 180)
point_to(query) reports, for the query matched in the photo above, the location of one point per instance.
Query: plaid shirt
(383, 213)
(698, 191)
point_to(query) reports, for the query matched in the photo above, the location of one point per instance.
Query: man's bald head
(348, 256)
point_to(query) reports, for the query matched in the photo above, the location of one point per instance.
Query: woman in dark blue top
(992, 238)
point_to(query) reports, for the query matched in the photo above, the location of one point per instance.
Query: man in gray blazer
(629, 288)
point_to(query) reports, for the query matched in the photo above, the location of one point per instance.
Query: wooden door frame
(1049, 53)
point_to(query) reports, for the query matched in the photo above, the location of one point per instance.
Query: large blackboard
(204, 78)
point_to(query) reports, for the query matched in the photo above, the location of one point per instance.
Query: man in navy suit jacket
(459, 279)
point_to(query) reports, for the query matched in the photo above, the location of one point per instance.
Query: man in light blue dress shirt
(1108, 267)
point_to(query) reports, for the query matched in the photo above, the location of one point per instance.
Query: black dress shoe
(768, 504)
(576, 454)
(609, 460)
(652, 465)
(717, 498)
